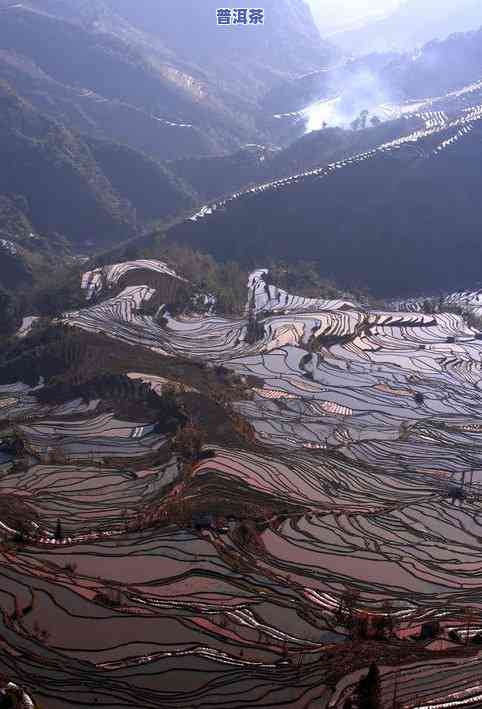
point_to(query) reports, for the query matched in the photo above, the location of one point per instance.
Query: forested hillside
(83, 110)
(97, 67)
(401, 220)
(97, 102)
(139, 124)
(54, 170)
(59, 190)
(214, 177)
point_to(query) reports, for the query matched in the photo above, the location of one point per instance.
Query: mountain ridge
(408, 209)
(410, 25)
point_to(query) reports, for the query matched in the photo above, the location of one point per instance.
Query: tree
(364, 119)
(189, 442)
(346, 612)
(56, 292)
(380, 626)
(132, 253)
(10, 699)
(170, 415)
(57, 456)
(430, 630)
(471, 616)
(375, 121)
(455, 492)
(181, 301)
(368, 690)
(58, 531)
(390, 618)
(254, 328)
(8, 313)
(360, 626)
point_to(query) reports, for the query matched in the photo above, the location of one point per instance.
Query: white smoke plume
(349, 95)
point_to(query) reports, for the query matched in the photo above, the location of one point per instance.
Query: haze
(332, 16)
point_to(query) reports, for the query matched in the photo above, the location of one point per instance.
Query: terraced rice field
(358, 442)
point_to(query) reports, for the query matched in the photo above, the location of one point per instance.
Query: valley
(240, 357)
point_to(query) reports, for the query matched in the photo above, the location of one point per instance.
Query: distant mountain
(130, 121)
(99, 95)
(85, 111)
(103, 85)
(439, 67)
(411, 25)
(160, 77)
(355, 74)
(54, 182)
(379, 81)
(247, 61)
(402, 219)
(337, 15)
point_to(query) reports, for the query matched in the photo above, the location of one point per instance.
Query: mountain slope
(83, 110)
(91, 64)
(212, 177)
(87, 192)
(145, 70)
(400, 219)
(95, 102)
(72, 191)
(439, 67)
(381, 80)
(253, 58)
(150, 187)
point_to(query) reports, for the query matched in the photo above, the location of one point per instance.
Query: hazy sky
(331, 14)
